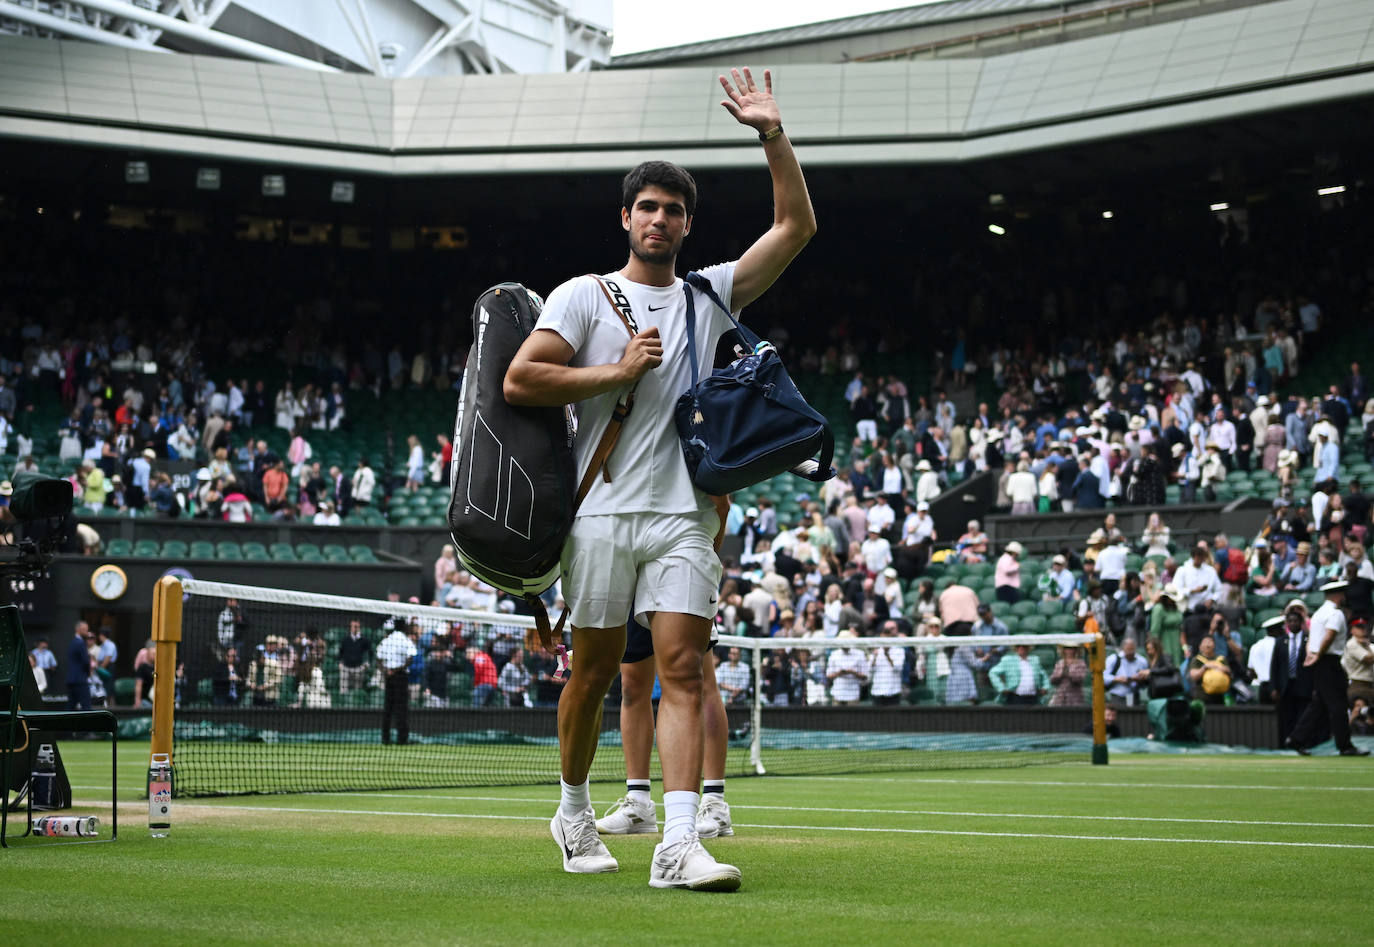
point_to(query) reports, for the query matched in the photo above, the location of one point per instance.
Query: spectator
(1198, 579)
(1126, 674)
(227, 680)
(1007, 576)
(958, 609)
(274, 483)
(1209, 673)
(1067, 678)
(484, 676)
(1018, 678)
(363, 483)
(1058, 582)
(733, 678)
(1358, 661)
(1022, 489)
(514, 679)
(355, 658)
(885, 669)
(1299, 575)
(846, 671)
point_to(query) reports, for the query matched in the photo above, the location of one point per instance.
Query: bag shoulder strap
(620, 303)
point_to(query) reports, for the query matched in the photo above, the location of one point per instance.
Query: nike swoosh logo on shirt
(656, 308)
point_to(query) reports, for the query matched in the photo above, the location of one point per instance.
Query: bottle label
(159, 799)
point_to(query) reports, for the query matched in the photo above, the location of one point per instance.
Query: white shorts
(655, 562)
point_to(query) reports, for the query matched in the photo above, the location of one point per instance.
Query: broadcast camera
(42, 505)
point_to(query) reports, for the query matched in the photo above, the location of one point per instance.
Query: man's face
(734, 655)
(657, 224)
(1128, 647)
(1023, 650)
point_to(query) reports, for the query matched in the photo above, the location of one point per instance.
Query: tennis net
(281, 691)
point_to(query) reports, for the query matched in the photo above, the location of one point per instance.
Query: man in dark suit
(1290, 681)
(79, 669)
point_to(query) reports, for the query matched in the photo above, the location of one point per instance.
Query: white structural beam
(225, 41)
(73, 28)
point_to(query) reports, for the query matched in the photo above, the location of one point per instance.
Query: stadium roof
(1207, 69)
(925, 15)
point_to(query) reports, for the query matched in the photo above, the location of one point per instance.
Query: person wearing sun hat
(1326, 640)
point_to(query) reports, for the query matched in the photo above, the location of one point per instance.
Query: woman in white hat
(1007, 576)
(1287, 468)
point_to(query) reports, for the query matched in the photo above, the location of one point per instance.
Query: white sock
(713, 787)
(638, 792)
(576, 799)
(680, 815)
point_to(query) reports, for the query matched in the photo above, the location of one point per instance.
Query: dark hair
(662, 174)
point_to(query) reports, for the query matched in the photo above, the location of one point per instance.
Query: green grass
(1158, 850)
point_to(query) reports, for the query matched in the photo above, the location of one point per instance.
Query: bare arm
(540, 376)
(794, 220)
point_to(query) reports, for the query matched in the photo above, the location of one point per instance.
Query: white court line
(1050, 782)
(804, 828)
(939, 812)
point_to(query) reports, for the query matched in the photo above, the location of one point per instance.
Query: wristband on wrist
(772, 133)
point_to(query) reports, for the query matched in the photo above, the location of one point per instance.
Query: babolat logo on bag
(621, 302)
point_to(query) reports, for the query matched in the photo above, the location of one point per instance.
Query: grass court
(1150, 849)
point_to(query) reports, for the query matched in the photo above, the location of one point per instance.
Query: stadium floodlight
(997, 200)
(274, 185)
(1219, 206)
(341, 192)
(1107, 215)
(997, 229)
(136, 172)
(1328, 191)
(207, 179)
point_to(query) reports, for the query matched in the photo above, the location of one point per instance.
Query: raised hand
(749, 104)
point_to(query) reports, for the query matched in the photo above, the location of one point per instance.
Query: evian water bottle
(160, 795)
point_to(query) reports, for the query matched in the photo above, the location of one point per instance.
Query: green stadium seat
(334, 549)
(254, 547)
(1024, 607)
(201, 550)
(1314, 601)
(304, 549)
(118, 547)
(1031, 625)
(1048, 607)
(147, 548)
(1002, 610)
(176, 548)
(364, 556)
(284, 555)
(987, 595)
(228, 551)
(1061, 625)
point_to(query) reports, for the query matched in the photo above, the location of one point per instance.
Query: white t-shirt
(846, 686)
(1111, 562)
(647, 471)
(1327, 618)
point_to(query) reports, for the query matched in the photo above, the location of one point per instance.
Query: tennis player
(642, 537)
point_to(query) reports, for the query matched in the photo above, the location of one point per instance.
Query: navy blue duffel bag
(747, 422)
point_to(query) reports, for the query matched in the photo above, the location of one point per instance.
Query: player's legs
(633, 813)
(679, 641)
(597, 661)
(597, 654)
(715, 725)
(713, 815)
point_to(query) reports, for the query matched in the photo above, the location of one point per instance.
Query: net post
(166, 635)
(756, 716)
(1098, 665)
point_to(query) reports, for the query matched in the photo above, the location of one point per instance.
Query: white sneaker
(628, 817)
(713, 817)
(686, 864)
(583, 850)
